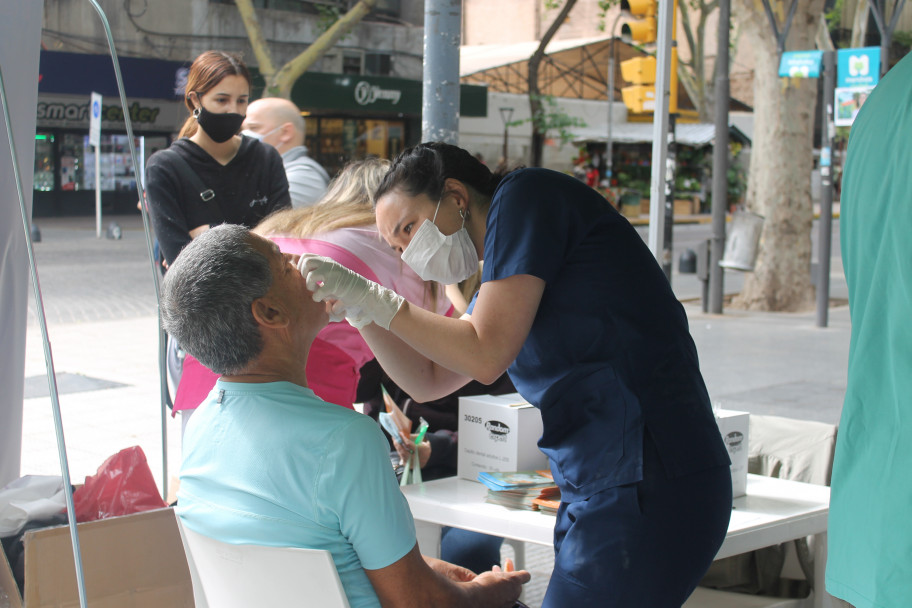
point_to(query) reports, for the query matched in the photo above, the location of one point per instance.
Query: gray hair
(207, 294)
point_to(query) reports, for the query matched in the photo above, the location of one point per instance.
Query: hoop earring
(196, 113)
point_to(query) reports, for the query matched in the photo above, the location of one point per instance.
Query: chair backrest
(241, 576)
(800, 450)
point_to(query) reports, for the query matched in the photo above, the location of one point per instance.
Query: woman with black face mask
(209, 176)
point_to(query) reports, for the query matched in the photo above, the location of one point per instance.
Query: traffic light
(640, 72)
(642, 28)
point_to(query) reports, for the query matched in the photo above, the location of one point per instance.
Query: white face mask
(436, 257)
(259, 136)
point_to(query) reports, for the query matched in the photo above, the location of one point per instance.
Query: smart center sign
(71, 112)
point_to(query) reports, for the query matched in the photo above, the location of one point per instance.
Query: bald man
(279, 123)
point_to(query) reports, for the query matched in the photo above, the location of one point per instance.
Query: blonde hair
(348, 203)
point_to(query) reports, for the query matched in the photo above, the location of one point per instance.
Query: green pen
(422, 430)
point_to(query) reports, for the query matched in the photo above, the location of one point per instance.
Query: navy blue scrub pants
(645, 545)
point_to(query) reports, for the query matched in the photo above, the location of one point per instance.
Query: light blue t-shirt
(272, 464)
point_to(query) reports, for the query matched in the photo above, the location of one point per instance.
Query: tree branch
(292, 70)
(257, 40)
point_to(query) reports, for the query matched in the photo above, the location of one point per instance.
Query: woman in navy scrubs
(577, 310)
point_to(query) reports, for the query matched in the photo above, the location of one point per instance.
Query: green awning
(371, 94)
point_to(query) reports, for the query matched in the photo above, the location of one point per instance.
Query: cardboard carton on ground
(134, 561)
(498, 433)
(735, 426)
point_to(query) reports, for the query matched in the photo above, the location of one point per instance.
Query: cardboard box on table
(134, 561)
(734, 427)
(498, 433)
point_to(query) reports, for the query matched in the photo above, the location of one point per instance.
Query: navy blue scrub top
(609, 352)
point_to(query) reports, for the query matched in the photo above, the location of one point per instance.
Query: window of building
(351, 63)
(335, 141)
(72, 166)
(45, 165)
(378, 64)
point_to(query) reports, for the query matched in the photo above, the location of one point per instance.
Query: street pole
(612, 62)
(720, 162)
(506, 113)
(609, 145)
(670, 161)
(825, 227)
(657, 245)
(440, 92)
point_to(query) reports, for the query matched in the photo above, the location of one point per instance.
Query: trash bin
(742, 244)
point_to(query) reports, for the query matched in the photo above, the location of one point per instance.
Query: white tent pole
(49, 360)
(137, 171)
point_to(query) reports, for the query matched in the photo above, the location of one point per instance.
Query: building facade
(362, 97)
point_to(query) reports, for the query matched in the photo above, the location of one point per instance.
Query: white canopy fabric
(20, 40)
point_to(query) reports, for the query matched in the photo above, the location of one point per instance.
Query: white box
(498, 433)
(734, 427)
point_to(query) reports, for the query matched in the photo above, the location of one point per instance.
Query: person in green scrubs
(869, 561)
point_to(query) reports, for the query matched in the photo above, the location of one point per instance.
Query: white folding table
(773, 511)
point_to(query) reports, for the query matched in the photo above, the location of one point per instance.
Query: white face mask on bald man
(437, 257)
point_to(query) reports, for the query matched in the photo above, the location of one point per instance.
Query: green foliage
(604, 5)
(551, 118)
(903, 38)
(834, 16)
(326, 16)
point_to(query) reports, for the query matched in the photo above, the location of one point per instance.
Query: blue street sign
(858, 67)
(800, 64)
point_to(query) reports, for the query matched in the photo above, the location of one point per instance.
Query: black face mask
(219, 127)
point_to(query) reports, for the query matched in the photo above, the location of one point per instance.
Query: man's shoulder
(296, 159)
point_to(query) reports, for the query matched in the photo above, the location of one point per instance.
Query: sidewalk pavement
(769, 363)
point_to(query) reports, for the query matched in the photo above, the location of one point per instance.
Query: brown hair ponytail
(206, 72)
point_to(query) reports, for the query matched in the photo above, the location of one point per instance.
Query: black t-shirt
(250, 187)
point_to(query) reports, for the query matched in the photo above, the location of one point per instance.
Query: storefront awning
(694, 135)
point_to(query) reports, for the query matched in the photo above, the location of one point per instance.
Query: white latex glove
(363, 301)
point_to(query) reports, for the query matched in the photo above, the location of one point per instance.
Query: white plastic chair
(800, 450)
(241, 576)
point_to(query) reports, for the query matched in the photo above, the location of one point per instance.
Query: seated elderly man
(266, 461)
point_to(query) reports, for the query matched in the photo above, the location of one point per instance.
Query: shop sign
(367, 93)
(858, 67)
(800, 64)
(346, 92)
(75, 112)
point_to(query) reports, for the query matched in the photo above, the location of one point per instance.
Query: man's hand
(450, 571)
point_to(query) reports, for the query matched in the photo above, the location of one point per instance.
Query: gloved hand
(363, 301)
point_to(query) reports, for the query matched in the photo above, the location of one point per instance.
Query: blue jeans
(642, 544)
(473, 550)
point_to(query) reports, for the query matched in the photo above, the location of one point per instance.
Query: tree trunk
(256, 38)
(779, 182)
(860, 23)
(279, 83)
(535, 104)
